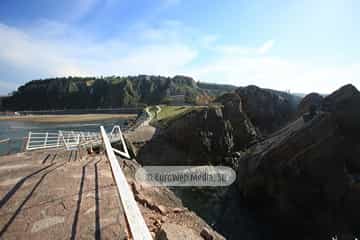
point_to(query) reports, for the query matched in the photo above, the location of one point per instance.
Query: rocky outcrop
(306, 173)
(311, 101)
(163, 211)
(243, 130)
(344, 104)
(268, 110)
(174, 232)
(202, 132)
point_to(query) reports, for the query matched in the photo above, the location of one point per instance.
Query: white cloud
(243, 65)
(236, 49)
(158, 50)
(277, 73)
(266, 47)
(65, 55)
(21, 50)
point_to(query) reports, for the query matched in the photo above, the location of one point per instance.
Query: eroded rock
(312, 100)
(243, 130)
(305, 173)
(170, 231)
(203, 132)
(267, 109)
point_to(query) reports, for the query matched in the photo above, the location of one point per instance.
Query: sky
(299, 46)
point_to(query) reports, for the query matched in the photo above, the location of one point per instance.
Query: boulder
(171, 231)
(206, 234)
(162, 209)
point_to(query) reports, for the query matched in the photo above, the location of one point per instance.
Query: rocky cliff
(344, 105)
(164, 213)
(305, 173)
(205, 133)
(267, 109)
(207, 136)
(114, 91)
(312, 100)
(244, 132)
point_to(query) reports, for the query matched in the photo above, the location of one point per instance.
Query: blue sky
(301, 46)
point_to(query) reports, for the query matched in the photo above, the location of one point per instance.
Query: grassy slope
(169, 114)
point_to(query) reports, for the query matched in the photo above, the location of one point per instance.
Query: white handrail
(138, 228)
(68, 139)
(5, 140)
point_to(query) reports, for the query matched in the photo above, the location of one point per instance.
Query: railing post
(28, 141)
(58, 140)
(9, 147)
(46, 138)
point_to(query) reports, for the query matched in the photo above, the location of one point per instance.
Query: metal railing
(70, 140)
(134, 218)
(43, 140)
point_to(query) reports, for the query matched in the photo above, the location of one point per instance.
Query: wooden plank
(136, 222)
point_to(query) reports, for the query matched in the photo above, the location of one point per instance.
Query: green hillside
(91, 92)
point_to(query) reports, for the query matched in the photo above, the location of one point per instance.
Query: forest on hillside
(114, 91)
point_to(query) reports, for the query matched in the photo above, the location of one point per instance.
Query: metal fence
(70, 140)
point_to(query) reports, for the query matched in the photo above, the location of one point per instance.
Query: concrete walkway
(58, 196)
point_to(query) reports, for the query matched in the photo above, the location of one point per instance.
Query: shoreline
(66, 118)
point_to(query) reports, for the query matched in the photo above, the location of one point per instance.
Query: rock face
(306, 173)
(268, 110)
(312, 100)
(171, 231)
(202, 132)
(344, 104)
(214, 133)
(163, 212)
(243, 130)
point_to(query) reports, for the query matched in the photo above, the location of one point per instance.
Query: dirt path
(145, 131)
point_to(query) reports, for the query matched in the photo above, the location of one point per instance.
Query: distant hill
(91, 92)
(1, 102)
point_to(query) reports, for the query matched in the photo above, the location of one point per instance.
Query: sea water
(17, 131)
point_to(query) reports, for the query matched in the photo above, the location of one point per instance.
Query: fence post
(28, 141)
(9, 147)
(58, 139)
(46, 137)
(23, 145)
